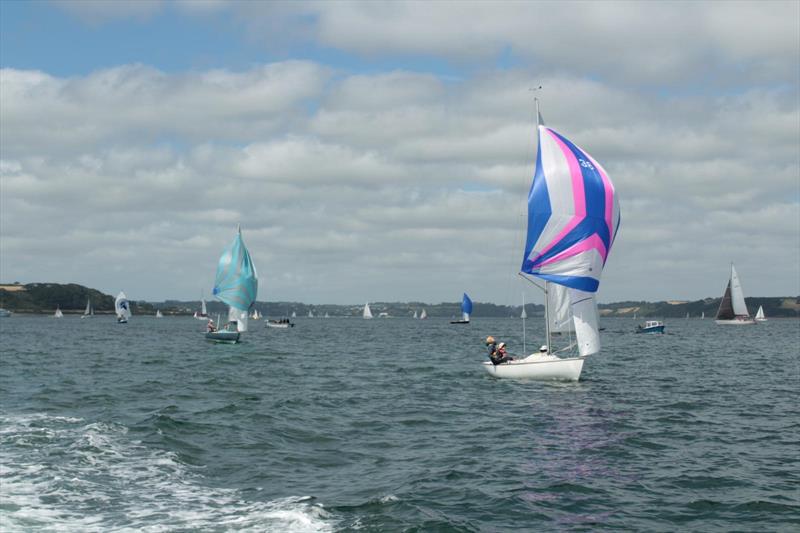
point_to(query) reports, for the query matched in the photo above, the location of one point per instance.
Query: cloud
(403, 184)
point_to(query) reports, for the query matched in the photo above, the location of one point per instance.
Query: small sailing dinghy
(732, 309)
(367, 312)
(236, 284)
(423, 315)
(203, 314)
(158, 314)
(58, 313)
(466, 310)
(123, 308)
(89, 311)
(760, 317)
(573, 218)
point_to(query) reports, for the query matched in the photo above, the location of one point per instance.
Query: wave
(67, 474)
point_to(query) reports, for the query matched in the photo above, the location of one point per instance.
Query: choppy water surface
(389, 425)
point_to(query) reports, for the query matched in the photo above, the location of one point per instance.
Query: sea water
(390, 425)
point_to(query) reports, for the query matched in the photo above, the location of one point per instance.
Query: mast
(524, 315)
(546, 283)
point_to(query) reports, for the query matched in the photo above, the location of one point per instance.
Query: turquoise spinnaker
(236, 282)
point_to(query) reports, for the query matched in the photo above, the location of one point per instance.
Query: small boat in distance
(423, 315)
(236, 284)
(203, 314)
(760, 317)
(466, 309)
(89, 311)
(367, 313)
(294, 314)
(123, 308)
(280, 323)
(733, 309)
(58, 313)
(651, 326)
(415, 314)
(158, 314)
(4, 313)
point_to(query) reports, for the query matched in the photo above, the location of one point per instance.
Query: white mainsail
(760, 316)
(58, 313)
(158, 314)
(367, 312)
(423, 315)
(415, 314)
(737, 295)
(89, 311)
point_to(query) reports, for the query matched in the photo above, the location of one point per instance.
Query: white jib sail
(367, 311)
(239, 316)
(559, 304)
(584, 313)
(737, 295)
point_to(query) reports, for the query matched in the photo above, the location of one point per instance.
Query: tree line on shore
(44, 298)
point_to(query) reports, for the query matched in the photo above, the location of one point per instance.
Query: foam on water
(56, 472)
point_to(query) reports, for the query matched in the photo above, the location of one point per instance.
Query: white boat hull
(736, 322)
(539, 368)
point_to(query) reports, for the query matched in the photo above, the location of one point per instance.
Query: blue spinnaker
(466, 304)
(236, 282)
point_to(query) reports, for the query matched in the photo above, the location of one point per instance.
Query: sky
(383, 151)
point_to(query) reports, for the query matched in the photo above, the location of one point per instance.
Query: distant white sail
(89, 311)
(58, 313)
(158, 314)
(423, 315)
(367, 311)
(294, 314)
(415, 314)
(760, 314)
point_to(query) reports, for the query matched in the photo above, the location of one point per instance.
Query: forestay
(236, 283)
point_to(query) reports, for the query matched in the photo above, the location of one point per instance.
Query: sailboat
(203, 314)
(256, 315)
(235, 284)
(294, 314)
(466, 309)
(58, 313)
(89, 311)
(423, 315)
(123, 308)
(367, 313)
(703, 315)
(415, 313)
(310, 314)
(760, 317)
(732, 308)
(573, 218)
(158, 314)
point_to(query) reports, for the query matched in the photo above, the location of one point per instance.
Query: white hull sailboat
(235, 284)
(58, 313)
(760, 316)
(539, 367)
(203, 314)
(573, 218)
(423, 315)
(158, 314)
(367, 313)
(89, 311)
(123, 308)
(733, 309)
